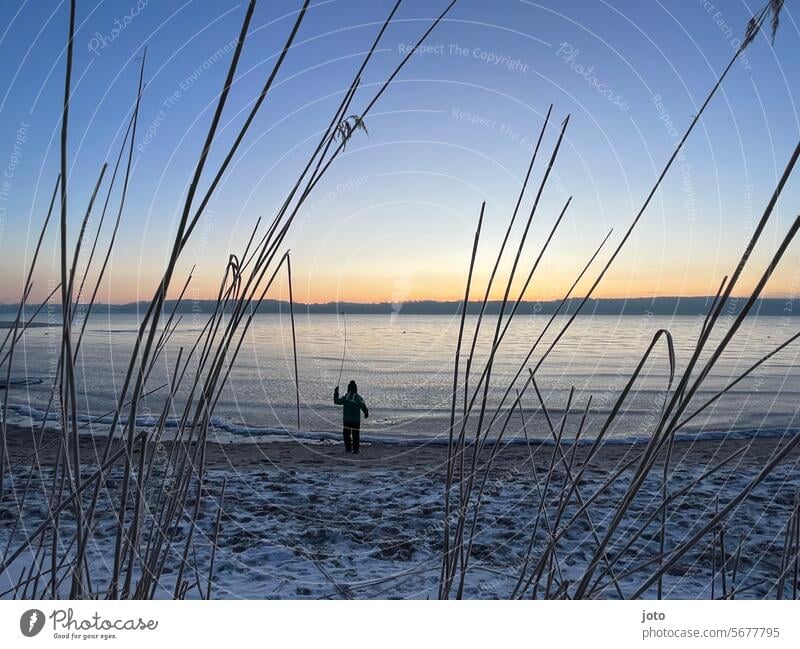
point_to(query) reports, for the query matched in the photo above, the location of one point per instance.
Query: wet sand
(302, 454)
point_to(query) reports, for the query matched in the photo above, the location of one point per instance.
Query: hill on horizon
(644, 306)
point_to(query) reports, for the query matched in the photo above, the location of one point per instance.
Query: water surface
(404, 369)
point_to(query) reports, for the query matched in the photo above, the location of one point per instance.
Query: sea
(404, 366)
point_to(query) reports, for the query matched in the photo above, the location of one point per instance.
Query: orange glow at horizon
(439, 281)
(450, 288)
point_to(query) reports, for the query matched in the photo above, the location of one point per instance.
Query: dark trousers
(352, 435)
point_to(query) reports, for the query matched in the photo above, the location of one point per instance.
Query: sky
(394, 218)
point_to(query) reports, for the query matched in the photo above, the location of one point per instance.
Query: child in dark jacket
(353, 406)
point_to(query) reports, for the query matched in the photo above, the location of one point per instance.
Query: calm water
(404, 364)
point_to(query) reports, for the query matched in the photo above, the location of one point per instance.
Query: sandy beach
(302, 454)
(308, 520)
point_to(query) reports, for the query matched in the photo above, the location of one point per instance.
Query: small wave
(19, 383)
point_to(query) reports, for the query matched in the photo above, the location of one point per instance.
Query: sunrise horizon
(529, 276)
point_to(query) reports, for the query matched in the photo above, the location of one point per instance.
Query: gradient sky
(394, 219)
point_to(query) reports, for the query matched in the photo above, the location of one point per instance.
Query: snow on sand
(309, 521)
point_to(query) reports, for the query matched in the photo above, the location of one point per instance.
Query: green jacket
(353, 406)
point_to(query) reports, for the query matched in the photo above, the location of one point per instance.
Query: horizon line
(787, 298)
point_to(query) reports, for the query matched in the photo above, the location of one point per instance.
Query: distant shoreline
(641, 306)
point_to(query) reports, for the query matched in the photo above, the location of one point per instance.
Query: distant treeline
(658, 306)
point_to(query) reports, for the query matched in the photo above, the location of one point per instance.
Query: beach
(306, 520)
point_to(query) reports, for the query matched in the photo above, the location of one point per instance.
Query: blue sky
(394, 219)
